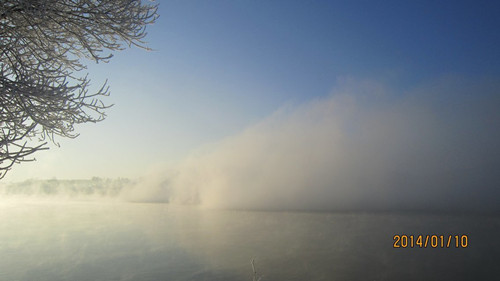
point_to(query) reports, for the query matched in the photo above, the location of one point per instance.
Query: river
(51, 240)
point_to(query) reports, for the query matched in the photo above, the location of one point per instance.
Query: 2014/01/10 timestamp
(430, 241)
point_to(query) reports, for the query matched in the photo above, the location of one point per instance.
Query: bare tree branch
(42, 43)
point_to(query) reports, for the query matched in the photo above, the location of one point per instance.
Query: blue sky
(219, 67)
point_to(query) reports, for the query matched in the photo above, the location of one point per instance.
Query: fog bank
(363, 147)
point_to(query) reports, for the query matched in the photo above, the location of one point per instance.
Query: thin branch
(42, 43)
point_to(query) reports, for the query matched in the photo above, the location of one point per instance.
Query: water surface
(55, 240)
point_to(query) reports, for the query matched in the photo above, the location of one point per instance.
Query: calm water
(57, 240)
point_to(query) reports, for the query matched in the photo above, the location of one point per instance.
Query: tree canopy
(44, 45)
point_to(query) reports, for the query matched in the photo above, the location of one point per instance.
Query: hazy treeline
(70, 188)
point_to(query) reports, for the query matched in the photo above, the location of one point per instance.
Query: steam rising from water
(364, 147)
(361, 148)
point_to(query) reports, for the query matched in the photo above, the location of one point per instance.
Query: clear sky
(219, 67)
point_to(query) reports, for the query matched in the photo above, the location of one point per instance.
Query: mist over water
(96, 240)
(364, 147)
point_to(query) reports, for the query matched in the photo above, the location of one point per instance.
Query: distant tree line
(95, 186)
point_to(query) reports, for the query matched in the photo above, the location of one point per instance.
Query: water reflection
(88, 240)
